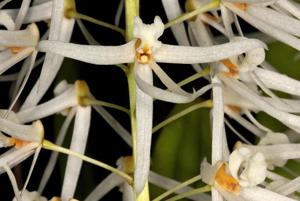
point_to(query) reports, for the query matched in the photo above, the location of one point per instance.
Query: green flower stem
(186, 16)
(190, 193)
(205, 104)
(106, 104)
(204, 72)
(76, 15)
(176, 188)
(131, 11)
(50, 146)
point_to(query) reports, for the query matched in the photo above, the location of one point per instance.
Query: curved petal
(100, 55)
(192, 55)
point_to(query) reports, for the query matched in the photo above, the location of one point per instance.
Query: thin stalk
(76, 15)
(186, 16)
(204, 72)
(106, 104)
(204, 104)
(176, 188)
(50, 146)
(190, 193)
(131, 11)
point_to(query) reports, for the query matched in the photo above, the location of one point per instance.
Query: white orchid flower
(146, 51)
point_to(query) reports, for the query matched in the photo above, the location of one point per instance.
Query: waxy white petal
(7, 21)
(173, 10)
(66, 100)
(266, 28)
(278, 152)
(120, 130)
(78, 144)
(34, 14)
(290, 120)
(23, 132)
(15, 59)
(22, 13)
(289, 187)
(106, 185)
(217, 121)
(144, 114)
(60, 30)
(276, 19)
(259, 194)
(15, 156)
(192, 55)
(53, 158)
(278, 81)
(290, 6)
(23, 38)
(100, 55)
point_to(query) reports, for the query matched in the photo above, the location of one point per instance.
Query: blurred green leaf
(182, 145)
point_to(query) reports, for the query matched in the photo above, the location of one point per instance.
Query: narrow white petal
(15, 156)
(278, 81)
(213, 24)
(23, 38)
(50, 68)
(173, 10)
(119, 12)
(100, 55)
(161, 94)
(266, 28)
(22, 13)
(278, 151)
(252, 1)
(217, 121)
(166, 80)
(215, 195)
(34, 160)
(128, 193)
(106, 185)
(35, 13)
(15, 59)
(87, 35)
(3, 3)
(144, 114)
(289, 187)
(27, 65)
(78, 144)
(290, 6)
(5, 55)
(276, 19)
(7, 21)
(245, 123)
(120, 130)
(200, 32)
(22, 132)
(191, 55)
(288, 119)
(53, 158)
(64, 101)
(167, 183)
(227, 18)
(13, 182)
(259, 194)
(60, 30)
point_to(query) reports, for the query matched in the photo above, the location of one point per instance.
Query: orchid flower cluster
(209, 37)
